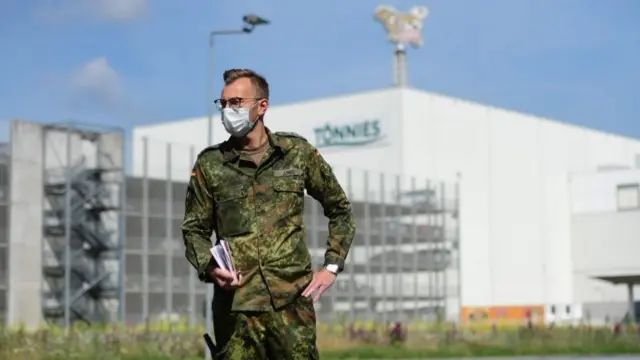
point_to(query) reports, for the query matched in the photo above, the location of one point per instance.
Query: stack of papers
(222, 254)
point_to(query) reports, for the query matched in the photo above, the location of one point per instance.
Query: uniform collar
(231, 154)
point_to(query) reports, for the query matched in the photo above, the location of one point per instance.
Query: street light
(250, 22)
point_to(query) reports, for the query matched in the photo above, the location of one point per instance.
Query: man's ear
(263, 105)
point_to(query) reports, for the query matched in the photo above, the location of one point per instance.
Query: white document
(222, 254)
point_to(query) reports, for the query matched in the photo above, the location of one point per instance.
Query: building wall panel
(515, 198)
(604, 239)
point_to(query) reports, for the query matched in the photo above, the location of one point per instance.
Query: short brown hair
(258, 81)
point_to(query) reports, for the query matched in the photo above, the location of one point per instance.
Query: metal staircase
(82, 233)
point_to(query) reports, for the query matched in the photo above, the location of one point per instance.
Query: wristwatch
(332, 268)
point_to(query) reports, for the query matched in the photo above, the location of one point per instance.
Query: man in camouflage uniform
(250, 191)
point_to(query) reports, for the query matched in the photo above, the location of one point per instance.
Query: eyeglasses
(234, 102)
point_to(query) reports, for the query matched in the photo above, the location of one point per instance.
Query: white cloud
(120, 10)
(106, 10)
(97, 82)
(95, 91)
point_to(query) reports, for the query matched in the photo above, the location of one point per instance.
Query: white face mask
(237, 122)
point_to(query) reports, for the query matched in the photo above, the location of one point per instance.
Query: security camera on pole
(403, 29)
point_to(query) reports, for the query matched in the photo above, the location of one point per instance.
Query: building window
(628, 197)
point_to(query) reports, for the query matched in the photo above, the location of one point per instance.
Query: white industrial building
(528, 193)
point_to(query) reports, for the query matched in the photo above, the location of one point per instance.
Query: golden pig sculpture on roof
(403, 28)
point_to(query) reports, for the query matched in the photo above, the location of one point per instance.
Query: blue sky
(131, 62)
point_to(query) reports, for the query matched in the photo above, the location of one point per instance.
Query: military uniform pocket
(233, 211)
(289, 199)
(289, 186)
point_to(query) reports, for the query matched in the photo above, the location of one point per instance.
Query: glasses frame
(223, 103)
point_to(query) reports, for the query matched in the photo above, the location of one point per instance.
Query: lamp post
(250, 22)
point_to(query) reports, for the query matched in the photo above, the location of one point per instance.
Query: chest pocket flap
(233, 210)
(288, 186)
(230, 193)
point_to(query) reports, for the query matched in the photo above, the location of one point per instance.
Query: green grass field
(335, 342)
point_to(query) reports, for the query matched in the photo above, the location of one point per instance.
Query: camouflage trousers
(285, 334)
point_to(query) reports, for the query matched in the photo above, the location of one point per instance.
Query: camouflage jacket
(261, 214)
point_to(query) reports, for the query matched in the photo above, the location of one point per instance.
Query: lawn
(364, 341)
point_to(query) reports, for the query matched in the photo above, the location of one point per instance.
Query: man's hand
(322, 280)
(226, 279)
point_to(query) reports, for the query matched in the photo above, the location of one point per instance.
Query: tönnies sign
(353, 134)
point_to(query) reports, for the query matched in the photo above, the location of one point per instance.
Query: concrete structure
(64, 225)
(515, 196)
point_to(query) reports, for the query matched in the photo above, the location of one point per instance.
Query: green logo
(354, 134)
